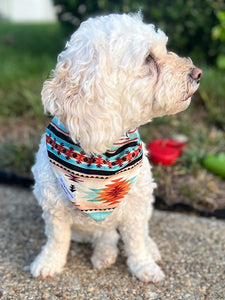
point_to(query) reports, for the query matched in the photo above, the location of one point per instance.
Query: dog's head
(114, 75)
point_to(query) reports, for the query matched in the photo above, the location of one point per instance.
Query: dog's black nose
(196, 74)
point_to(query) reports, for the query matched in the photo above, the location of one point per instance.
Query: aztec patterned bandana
(95, 184)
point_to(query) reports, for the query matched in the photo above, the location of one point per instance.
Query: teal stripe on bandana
(99, 216)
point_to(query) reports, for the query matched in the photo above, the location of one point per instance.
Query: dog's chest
(96, 184)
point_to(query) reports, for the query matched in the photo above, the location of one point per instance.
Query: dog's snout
(196, 74)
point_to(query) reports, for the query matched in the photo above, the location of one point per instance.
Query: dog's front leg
(140, 260)
(52, 258)
(105, 248)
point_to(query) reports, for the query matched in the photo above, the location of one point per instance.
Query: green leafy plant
(188, 23)
(218, 33)
(212, 92)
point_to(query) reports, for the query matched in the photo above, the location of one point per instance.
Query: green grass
(29, 52)
(212, 92)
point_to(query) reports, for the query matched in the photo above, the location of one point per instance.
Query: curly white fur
(114, 75)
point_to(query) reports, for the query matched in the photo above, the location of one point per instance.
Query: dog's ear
(82, 96)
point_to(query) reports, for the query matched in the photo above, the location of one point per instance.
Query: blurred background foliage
(196, 28)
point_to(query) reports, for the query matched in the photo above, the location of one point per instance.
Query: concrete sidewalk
(192, 248)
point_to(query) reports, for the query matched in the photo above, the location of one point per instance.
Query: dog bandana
(96, 184)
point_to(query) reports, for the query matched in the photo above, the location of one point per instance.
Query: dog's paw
(45, 266)
(148, 272)
(102, 260)
(153, 250)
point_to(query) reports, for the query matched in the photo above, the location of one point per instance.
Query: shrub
(212, 94)
(188, 23)
(218, 33)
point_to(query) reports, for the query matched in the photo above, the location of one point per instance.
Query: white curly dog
(92, 176)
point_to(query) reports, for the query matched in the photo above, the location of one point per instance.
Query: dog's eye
(148, 59)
